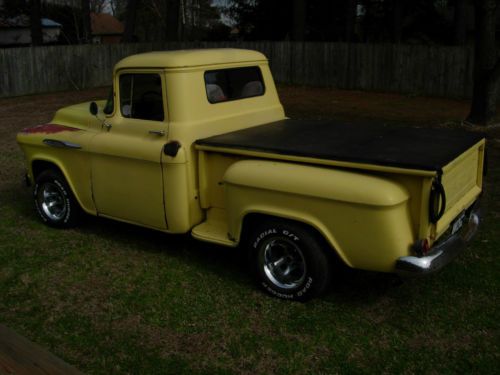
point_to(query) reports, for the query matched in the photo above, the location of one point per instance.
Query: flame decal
(48, 129)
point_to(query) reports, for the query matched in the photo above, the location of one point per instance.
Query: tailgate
(462, 183)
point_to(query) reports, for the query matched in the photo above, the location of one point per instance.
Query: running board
(214, 228)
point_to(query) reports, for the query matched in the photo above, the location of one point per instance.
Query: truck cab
(173, 99)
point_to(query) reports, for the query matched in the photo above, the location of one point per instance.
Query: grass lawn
(109, 297)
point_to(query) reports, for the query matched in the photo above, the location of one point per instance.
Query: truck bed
(379, 144)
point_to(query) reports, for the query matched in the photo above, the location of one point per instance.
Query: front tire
(288, 260)
(54, 200)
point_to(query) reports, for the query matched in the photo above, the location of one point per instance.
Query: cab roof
(190, 58)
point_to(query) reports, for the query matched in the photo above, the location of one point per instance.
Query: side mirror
(93, 108)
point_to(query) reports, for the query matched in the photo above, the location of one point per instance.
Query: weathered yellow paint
(309, 160)
(127, 181)
(295, 181)
(462, 180)
(339, 204)
(369, 214)
(214, 229)
(186, 59)
(74, 164)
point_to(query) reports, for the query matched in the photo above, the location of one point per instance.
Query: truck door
(127, 179)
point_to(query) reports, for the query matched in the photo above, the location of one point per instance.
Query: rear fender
(364, 218)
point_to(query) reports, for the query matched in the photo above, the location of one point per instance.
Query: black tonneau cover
(379, 144)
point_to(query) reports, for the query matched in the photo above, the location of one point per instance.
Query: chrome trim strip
(61, 144)
(441, 254)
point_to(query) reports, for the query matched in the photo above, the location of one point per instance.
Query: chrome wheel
(51, 200)
(283, 263)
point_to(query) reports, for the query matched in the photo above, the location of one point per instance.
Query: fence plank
(420, 70)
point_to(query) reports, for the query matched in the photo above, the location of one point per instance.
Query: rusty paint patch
(48, 129)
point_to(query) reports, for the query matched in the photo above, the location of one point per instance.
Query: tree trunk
(460, 22)
(397, 21)
(173, 17)
(299, 20)
(36, 23)
(128, 33)
(87, 32)
(486, 65)
(350, 20)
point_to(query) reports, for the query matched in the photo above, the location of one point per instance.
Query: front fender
(74, 163)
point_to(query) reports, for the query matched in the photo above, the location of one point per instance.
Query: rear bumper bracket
(444, 252)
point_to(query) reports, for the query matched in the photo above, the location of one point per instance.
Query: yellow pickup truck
(197, 141)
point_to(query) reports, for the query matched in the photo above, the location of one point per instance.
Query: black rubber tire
(317, 270)
(71, 209)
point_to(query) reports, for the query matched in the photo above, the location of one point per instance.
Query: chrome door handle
(107, 125)
(157, 132)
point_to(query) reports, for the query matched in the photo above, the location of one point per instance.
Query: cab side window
(141, 97)
(232, 84)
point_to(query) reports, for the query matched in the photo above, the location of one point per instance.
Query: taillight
(421, 247)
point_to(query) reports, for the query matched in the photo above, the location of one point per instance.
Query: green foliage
(261, 20)
(421, 21)
(71, 20)
(199, 20)
(13, 8)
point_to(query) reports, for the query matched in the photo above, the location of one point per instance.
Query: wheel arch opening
(251, 219)
(38, 166)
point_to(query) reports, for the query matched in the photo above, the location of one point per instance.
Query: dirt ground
(380, 107)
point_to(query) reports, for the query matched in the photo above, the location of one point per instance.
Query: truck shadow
(357, 286)
(225, 262)
(347, 285)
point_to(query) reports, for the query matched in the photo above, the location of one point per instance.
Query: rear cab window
(232, 84)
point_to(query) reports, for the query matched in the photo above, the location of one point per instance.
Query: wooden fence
(413, 70)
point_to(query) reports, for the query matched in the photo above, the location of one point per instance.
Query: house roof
(50, 23)
(105, 24)
(23, 21)
(190, 58)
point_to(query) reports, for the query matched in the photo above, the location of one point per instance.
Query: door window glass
(141, 97)
(109, 107)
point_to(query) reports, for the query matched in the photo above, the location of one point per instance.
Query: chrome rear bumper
(443, 253)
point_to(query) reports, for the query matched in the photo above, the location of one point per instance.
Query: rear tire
(54, 201)
(288, 260)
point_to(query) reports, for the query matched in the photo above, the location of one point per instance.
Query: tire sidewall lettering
(306, 287)
(291, 296)
(262, 235)
(258, 244)
(67, 202)
(276, 293)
